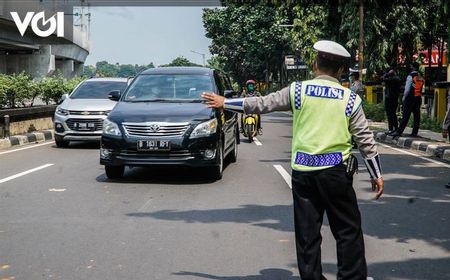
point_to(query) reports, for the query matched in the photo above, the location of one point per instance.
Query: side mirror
(114, 95)
(63, 97)
(229, 93)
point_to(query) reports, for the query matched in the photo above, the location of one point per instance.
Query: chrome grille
(97, 122)
(88, 113)
(155, 129)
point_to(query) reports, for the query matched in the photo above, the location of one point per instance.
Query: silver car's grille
(88, 113)
(88, 124)
(155, 129)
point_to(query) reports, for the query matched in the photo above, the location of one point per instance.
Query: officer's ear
(314, 66)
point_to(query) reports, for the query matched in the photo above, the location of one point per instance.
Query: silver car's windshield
(97, 89)
(168, 88)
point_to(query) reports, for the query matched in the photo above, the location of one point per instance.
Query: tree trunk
(361, 39)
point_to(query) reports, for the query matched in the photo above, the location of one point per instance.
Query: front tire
(114, 172)
(60, 143)
(250, 132)
(234, 152)
(216, 172)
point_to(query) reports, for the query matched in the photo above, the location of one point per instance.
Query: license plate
(85, 126)
(153, 145)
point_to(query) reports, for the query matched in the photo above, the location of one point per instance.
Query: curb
(34, 137)
(437, 149)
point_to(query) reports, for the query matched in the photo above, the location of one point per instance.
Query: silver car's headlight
(205, 129)
(111, 128)
(62, 112)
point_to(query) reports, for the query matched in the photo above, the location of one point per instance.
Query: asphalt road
(66, 220)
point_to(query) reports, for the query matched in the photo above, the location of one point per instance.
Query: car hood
(88, 104)
(160, 112)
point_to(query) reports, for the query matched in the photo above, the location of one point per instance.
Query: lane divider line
(415, 155)
(257, 142)
(26, 148)
(284, 174)
(25, 173)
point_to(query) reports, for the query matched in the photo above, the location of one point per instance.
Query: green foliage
(180, 61)
(248, 39)
(53, 88)
(105, 69)
(21, 91)
(374, 112)
(427, 123)
(15, 90)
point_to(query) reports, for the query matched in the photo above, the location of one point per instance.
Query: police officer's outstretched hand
(378, 185)
(213, 100)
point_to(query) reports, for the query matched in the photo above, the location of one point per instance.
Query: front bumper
(115, 151)
(65, 130)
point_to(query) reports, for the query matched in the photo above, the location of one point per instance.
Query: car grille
(88, 113)
(155, 129)
(98, 124)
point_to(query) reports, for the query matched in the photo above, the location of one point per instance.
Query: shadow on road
(277, 217)
(172, 175)
(265, 274)
(80, 145)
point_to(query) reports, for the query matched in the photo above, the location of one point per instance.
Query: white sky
(140, 35)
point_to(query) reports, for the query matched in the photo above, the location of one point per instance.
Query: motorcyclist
(250, 90)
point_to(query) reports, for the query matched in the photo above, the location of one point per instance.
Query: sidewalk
(428, 142)
(19, 140)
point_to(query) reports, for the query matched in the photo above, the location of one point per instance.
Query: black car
(161, 120)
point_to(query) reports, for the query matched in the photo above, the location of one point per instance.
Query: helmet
(250, 82)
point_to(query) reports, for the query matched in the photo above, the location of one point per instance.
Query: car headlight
(111, 128)
(62, 112)
(205, 129)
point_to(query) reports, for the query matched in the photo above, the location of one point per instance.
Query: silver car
(80, 116)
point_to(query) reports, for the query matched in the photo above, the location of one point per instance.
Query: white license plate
(153, 145)
(85, 126)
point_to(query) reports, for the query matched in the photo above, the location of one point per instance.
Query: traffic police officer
(326, 116)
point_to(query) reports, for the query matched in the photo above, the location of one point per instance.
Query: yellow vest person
(326, 116)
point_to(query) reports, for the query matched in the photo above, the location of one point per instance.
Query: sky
(140, 35)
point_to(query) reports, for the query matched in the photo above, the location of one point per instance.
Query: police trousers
(327, 191)
(411, 105)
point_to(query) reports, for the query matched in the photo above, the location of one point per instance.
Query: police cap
(331, 50)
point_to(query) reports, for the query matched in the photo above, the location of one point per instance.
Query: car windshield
(168, 88)
(97, 89)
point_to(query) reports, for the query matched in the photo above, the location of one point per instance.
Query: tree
(180, 61)
(248, 39)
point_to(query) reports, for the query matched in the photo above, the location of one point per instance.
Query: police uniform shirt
(280, 101)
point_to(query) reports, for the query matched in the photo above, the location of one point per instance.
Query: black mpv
(160, 120)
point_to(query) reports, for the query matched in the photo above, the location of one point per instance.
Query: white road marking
(284, 174)
(415, 155)
(56, 190)
(26, 148)
(257, 142)
(25, 173)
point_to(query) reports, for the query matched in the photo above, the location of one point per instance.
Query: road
(65, 220)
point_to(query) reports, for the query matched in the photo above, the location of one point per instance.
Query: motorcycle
(250, 123)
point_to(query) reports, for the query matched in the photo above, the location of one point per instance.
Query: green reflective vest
(321, 114)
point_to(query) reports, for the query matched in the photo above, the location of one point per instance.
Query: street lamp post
(203, 56)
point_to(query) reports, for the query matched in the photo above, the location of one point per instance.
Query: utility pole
(361, 39)
(203, 56)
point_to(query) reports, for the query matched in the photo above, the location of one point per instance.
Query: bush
(374, 112)
(19, 90)
(427, 123)
(15, 90)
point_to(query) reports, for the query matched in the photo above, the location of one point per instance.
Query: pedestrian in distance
(325, 117)
(446, 125)
(393, 84)
(356, 86)
(412, 100)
